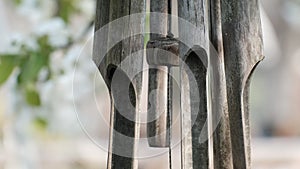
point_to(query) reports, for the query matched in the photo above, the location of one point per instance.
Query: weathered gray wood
(194, 110)
(121, 125)
(234, 25)
(157, 106)
(163, 51)
(159, 23)
(222, 154)
(102, 14)
(242, 37)
(157, 127)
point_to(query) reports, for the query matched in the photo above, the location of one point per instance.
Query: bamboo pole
(222, 155)
(195, 154)
(157, 127)
(242, 37)
(124, 129)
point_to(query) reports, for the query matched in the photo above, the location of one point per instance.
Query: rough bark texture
(121, 124)
(242, 36)
(194, 110)
(222, 155)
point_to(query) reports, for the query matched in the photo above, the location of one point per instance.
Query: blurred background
(54, 106)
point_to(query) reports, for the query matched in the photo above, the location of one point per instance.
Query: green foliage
(29, 62)
(26, 65)
(17, 2)
(7, 65)
(65, 8)
(147, 29)
(40, 123)
(32, 96)
(34, 61)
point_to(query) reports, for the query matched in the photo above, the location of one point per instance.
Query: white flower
(29, 10)
(20, 39)
(36, 10)
(87, 7)
(56, 30)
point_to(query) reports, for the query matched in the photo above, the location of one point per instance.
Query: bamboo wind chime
(215, 70)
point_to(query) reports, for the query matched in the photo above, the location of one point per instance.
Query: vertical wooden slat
(194, 102)
(242, 37)
(123, 118)
(157, 127)
(159, 23)
(220, 120)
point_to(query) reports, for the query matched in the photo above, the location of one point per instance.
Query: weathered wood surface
(222, 155)
(157, 127)
(193, 84)
(235, 31)
(242, 37)
(123, 116)
(159, 23)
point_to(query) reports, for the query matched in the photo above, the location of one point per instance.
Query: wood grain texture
(157, 127)
(234, 29)
(121, 124)
(194, 102)
(242, 37)
(222, 154)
